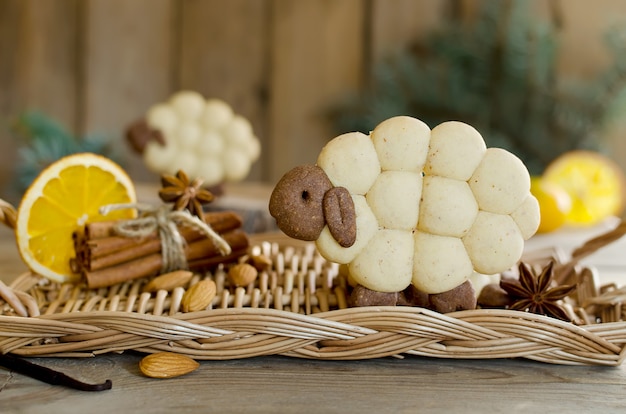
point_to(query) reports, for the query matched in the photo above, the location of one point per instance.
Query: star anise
(536, 294)
(185, 193)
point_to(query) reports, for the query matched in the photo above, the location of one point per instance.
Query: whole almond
(242, 274)
(167, 365)
(260, 262)
(169, 281)
(199, 296)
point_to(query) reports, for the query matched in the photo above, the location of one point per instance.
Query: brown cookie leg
(462, 297)
(493, 296)
(411, 296)
(362, 296)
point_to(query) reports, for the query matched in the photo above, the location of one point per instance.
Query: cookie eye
(305, 195)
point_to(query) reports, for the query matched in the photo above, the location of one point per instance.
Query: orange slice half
(65, 196)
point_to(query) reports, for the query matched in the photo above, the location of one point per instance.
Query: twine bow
(164, 220)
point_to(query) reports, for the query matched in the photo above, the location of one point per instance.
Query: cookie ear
(340, 215)
(296, 202)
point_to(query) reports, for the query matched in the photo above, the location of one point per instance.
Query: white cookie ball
(237, 131)
(159, 157)
(216, 114)
(211, 144)
(236, 164)
(252, 148)
(210, 169)
(448, 207)
(385, 264)
(187, 158)
(187, 104)
(395, 197)
(456, 149)
(162, 117)
(188, 134)
(367, 226)
(494, 243)
(527, 216)
(501, 182)
(350, 161)
(401, 143)
(440, 263)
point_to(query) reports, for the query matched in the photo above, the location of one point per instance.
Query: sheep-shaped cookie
(410, 206)
(202, 137)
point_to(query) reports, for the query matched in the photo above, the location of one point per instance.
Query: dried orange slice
(595, 183)
(64, 197)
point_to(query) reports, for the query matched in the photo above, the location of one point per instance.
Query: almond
(169, 281)
(167, 365)
(242, 274)
(260, 262)
(199, 296)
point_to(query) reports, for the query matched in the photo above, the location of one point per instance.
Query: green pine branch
(43, 140)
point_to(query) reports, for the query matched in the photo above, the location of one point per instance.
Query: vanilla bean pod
(49, 375)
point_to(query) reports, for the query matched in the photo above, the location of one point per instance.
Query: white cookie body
(202, 137)
(433, 207)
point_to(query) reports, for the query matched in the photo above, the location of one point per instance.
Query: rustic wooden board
(128, 59)
(398, 23)
(223, 53)
(38, 67)
(317, 55)
(277, 384)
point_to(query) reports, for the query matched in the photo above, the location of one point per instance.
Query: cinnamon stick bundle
(104, 258)
(200, 254)
(108, 251)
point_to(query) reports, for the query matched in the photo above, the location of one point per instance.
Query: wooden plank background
(97, 65)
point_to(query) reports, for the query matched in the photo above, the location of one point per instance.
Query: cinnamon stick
(197, 253)
(220, 222)
(108, 245)
(100, 229)
(122, 256)
(143, 247)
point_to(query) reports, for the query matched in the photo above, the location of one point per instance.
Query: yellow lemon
(595, 183)
(554, 204)
(64, 197)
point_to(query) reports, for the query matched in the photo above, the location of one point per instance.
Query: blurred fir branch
(499, 75)
(43, 140)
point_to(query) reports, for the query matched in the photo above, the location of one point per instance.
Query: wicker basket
(298, 308)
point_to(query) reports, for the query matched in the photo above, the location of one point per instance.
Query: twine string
(164, 220)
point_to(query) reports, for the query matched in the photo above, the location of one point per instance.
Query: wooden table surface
(280, 384)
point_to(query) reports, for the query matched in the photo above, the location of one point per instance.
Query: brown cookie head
(297, 202)
(140, 133)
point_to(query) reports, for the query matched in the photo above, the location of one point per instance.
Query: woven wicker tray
(299, 308)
